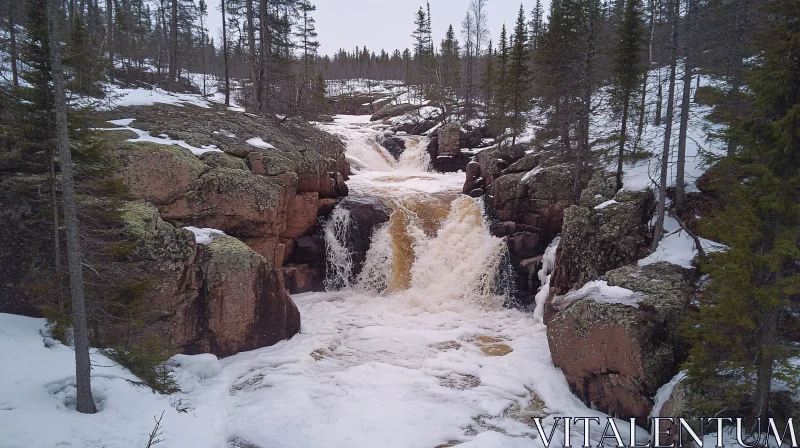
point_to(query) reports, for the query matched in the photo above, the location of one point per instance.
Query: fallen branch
(155, 434)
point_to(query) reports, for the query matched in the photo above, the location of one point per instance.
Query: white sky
(388, 24)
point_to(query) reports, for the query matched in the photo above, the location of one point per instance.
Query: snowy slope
(37, 396)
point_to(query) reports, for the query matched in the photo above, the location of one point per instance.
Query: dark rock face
(395, 145)
(365, 215)
(243, 304)
(393, 110)
(615, 356)
(594, 241)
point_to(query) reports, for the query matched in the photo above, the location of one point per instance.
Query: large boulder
(238, 204)
(601, 234)
(157, 173)
(244, 304)
(393, 110)
(495, 159)
(393, 144)
(219, 298)
(618, 341)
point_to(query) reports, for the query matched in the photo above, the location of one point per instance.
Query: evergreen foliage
(740, 335)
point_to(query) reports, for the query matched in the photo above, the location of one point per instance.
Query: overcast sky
(388, 24)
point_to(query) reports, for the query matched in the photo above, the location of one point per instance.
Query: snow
(200, 366)
(122, 97)
(531, 173)
(204, 236)
(37, 397)
(600, 291)
(259, 143)
(144, 136)
(677, 247)
(605, 204)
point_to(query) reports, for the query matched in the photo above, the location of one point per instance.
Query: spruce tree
(498, 122)
(627, 71)
(740, 345)
(450, 72)
(518, 76)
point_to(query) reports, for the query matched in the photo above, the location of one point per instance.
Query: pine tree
(489, 81)
(449, 51)
(498, 122)
(518, 76)
(627, 71)
(739, 335)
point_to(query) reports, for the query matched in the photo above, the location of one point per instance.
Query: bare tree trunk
(225, 55)
(54, 201)
(173, 58)
(110, 35)
(652, 26)
(265, 55)
(680, 181)
(12, 32)
(623, 137)
(85, 402)
(662, 188)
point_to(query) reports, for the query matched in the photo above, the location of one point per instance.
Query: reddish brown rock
(615, 356)
(245, 304)
(301, 214)
(300, 278)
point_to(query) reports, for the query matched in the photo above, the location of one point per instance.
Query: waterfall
(458, 265)
(416, 157)
(339, 263)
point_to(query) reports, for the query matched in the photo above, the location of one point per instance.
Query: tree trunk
(12, 32)
(623, 137)
(85, 402)
(764, 363)
(640, 126)
(686, 99)
(265, 54)
(662, 187)
(586, 106)
(225, 55)
(680, 187)
(110, 35)
(54, 202)
(251, 43)
(173, 47)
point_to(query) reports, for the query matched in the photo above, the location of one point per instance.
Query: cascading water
(436, 248)
(339, 265)
(416, 350)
